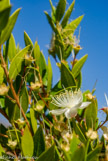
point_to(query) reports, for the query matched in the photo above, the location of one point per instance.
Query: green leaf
(71, 27)
(15, 66)
(4, 16)
(78, 131)
(40, 60)
(79, 154)
(1, 150)
(60, 9)
(24, 99)
(48, 155)
(67, 14)
(39, 142)
(74, 144)
(94, 153)
(27, 143)
(78, 65)
(36, 53)
(67, 52)
(50, 21)
(33, 120)
(91, 114)
(9, 27)
(4, 4)
(1, 75)
(27, 40)
(79, 80)
(67, 79)
(53, 11)
(49, 75)
(11, 48)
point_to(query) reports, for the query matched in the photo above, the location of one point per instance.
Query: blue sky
(94, 37)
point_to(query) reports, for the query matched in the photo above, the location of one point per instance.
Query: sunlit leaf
(15, 66)
(27, 143)
(78, 65)
(9, 27)
(67, 14)
(11, 48)
(60, 9)
(1, 75)
(49, 75)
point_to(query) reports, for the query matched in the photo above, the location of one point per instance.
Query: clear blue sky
(94, 37)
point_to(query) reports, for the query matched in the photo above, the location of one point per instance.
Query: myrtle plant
(47, 122)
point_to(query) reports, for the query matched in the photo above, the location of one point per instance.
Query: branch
(101, 124)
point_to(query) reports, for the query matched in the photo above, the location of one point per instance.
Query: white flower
(105, 132)
(70, 102)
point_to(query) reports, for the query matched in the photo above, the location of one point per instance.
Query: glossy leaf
(67, 14)
(15, 66)
(49, 76)
(39, 142)
(27, 143)
(67, 79)
(91, 114)
(48, 155)
(1, 75)
(33, 120)
(9, 27)
(4, 16)
(27, 40)
(71, 27)
(11, 48)
(60, 9)
(78, 66)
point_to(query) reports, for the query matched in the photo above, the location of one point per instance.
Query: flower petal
(58, 111)
(84, 105)
(71, 113)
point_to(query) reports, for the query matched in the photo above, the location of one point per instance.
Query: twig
(101, 124)
(6, 136)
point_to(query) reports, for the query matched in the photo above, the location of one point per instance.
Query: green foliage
(60, 9)
(67, 79)
(9, 27)
(49, 76)
(4, 16)
(69, 132)
(1, 74)
(39, 142)
(48, 155)
(11, 51)
(78, 66)
(67, 15)
(15, 66)
(27, 143)
(33, 120)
